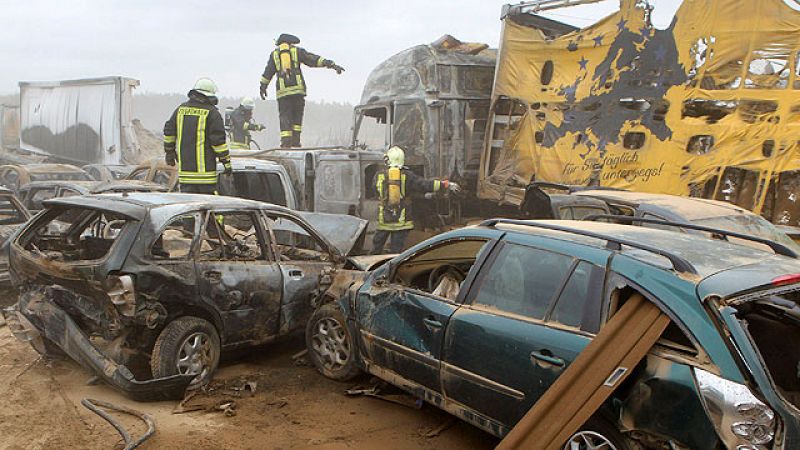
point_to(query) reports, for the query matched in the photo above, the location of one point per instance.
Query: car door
(402, 320)
(306, 264)
(238, 275)
(501, 352)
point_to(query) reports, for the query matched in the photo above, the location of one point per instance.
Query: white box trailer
(79, 121)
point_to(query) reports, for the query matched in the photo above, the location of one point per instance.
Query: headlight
(742, 421)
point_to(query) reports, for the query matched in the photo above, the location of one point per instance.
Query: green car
(481, 321)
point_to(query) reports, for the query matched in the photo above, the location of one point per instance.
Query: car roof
(49, 168)
(708, 256)
(137, 204)
(80, 184)
(690, 208)
(253, 164)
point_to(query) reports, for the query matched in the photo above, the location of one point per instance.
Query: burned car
(541, 202)
(146, 290)
(33, 194)
(14, 176)
(108, 172)
(483, 321)
(12, 216)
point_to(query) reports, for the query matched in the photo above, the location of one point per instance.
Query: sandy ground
(293, 407)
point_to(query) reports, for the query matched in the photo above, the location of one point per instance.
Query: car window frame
(596, 291)
(700, 358)
(488, 249)
(273, 242)
(267, 255)
(480, 279)
(189, 256)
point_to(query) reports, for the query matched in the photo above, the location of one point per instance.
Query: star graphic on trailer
(621, 24)
(583, 63)
(598, 41)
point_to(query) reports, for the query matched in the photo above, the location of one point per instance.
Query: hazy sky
(168, 45)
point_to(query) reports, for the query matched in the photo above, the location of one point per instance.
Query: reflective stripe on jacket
(396, 218)
(196, 133)
(290, 79)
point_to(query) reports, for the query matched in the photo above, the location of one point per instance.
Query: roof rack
(678, 263)
(778, 248)
(570, 188)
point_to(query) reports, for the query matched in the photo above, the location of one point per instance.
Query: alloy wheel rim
(329, 342)
(195, 356)
(589, 440)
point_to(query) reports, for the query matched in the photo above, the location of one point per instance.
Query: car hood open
(345, 233)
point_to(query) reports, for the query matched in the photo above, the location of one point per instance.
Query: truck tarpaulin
(79, 121)
(709, 106)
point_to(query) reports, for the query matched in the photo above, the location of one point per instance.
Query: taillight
(783, 280)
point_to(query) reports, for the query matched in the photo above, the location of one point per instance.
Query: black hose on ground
(95, 405)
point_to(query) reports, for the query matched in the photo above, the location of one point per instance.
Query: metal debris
(376, 391)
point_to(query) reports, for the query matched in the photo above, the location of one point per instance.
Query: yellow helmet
(206, 86)
(395, 157)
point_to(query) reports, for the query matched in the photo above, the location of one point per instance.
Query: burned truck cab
(433, 101)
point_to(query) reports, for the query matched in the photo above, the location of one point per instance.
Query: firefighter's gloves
(258, 127)
(263, 91)
(170, 158)
(339, 69)
(451, 186)
(228, 169)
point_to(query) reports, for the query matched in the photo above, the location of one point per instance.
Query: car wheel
(186, 346)
(330, 347)
(597, 434)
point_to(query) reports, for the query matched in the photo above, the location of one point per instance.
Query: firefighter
(194, 138)
(393, 186)
(290, 85)
(242, 124)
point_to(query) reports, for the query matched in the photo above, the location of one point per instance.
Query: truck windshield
(372, 128)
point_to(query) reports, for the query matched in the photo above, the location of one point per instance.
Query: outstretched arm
(312, 60)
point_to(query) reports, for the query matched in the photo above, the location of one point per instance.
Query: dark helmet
(288, 39)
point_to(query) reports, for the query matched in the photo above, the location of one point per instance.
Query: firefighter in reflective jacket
(393, 186)
(242, 124)
(290, 85)
(194, 138)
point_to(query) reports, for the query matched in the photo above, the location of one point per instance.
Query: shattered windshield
(751, 225)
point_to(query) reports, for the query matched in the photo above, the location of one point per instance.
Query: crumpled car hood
(345, 233)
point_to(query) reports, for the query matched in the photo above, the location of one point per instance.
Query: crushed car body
(482, 321)
(147, 289)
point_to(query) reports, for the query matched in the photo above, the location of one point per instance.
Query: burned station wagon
(146, 290)
(483, 321)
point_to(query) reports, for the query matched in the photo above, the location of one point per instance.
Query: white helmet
(395, 157)
(206, 86)
(248, 103)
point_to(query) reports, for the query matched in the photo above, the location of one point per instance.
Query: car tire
(598, 433)
(187, 345)
(331, 348)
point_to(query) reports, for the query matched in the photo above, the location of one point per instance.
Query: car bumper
(37, 317)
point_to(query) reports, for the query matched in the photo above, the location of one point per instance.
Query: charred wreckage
(147, 289)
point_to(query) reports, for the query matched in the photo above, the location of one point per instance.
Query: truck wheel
(330, 347)
(186, 346)
(597, 433)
